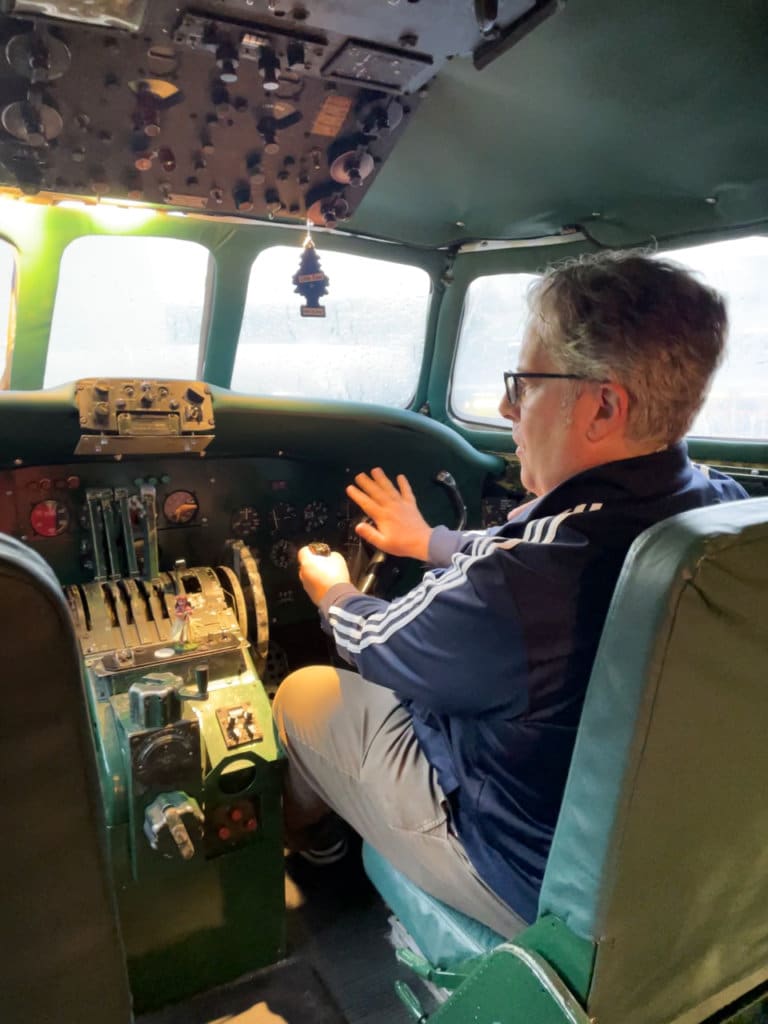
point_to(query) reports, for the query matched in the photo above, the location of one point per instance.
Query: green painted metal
(502, 989)
(185, 933)
(190, 925)
(628, 116)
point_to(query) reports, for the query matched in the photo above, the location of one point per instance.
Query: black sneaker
(323, 856)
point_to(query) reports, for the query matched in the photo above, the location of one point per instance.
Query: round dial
(49, 518)
(245, 521)
(180, 507)
(282, 554)
(283, 517)
(315, 516)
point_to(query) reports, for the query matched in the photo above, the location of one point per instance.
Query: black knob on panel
(201, 679)
(269, 68)
(294, 56)
(267, 128)
(227, 62)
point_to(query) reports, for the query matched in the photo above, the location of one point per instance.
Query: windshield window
(367, 348)
(127, 307)
(7, 279)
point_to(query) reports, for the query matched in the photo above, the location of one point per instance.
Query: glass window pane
(495, 314)
(127, 307)
(367, 348)
(7, 279)
(737, 405)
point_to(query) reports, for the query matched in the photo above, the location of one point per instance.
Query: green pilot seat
(62, 960)
(658, 872)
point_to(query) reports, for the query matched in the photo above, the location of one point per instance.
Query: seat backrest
(62, 960)
(661, 851)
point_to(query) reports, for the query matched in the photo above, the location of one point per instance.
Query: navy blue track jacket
(492, 652)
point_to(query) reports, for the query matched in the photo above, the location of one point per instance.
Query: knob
(242, 197)
(39, 62)
(273, 201)
(201, 679)
(269, 68)
(173, 822)
(146, 117)
(227, 62)
(294, 56)
(267, 128)
(167, 159)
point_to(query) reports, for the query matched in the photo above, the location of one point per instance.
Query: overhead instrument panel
(144, 417)
(264, 108)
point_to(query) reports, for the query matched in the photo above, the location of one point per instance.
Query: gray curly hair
(646, 323)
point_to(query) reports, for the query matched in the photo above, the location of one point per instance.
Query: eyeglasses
(512, 382)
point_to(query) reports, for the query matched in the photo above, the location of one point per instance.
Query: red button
(224, 834)
(236, 814)
(251, 825)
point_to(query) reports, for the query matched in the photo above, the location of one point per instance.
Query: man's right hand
(398, 527)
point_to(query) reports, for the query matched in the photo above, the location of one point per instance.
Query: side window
(127, 306)
(367, 348)
(737, 405)
(495, 313)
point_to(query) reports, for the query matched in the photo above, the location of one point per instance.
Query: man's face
(549, 424)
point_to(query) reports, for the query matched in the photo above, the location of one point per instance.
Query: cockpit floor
(338, 922)
(341, 966)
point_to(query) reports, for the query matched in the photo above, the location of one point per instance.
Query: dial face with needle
(245, 521)
(180, 507)
(283, 518)
(283, 554)
(49, 518)
(315, 516)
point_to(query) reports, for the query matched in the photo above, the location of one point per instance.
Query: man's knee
(304, 698)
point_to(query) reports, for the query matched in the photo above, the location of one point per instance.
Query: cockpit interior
(248, 250)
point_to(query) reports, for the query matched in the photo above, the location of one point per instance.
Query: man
(448, 749)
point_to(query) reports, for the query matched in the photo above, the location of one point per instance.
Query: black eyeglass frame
(511, 377)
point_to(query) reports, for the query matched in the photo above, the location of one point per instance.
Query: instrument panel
(273, 505)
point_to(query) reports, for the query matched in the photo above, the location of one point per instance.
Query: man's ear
(610, 411)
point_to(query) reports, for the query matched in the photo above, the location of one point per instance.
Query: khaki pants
(351, 748)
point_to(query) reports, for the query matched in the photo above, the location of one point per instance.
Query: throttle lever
(372, 572)
(447, 480)
(319, 547)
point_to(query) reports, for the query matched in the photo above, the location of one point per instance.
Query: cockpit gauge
(282, 554)
(180, 507)
(49, 518)
(283, 518)
(315, 516)
(245, 521)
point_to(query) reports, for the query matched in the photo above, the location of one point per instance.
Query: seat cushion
(445, 936)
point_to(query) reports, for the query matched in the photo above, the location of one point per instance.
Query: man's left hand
(318, 573)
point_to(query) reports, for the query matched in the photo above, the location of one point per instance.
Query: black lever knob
(201, 679)
(319, 547)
